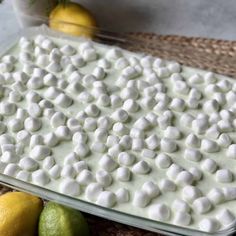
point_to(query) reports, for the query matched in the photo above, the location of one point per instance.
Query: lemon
(58, 220)
(74, 14)
(19, 214)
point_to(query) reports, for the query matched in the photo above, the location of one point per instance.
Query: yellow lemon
(58, 220)
(69, 18)
(19, 214)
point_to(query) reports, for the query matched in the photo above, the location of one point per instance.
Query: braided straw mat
(215, 55)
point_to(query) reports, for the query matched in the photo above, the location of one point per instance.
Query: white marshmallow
(52, 92)
(141, 199)
(126, 142)
(23, 136)
(106, 199)
(152, 142)
(146, 153)
(199, 126)
(151, 189)
(137, 144)
(47, 44)
(15, 125)
(163, 161)
(220, 98)
(92, 191)
(90, 124)
(103, 178)
(34, 110)
(55, 55)
(181, 87)
(105, 64)
(180, 206)
(63, 100)
(85, 177)
(28, 164)
(130, 72)
(177, 104)
(230, 98)
(225, 217)
(163, 122)
(224, 176)
(11, 170)
(48, 162)
(81, 150)
(35, 140)
(112, 140)
(192, 141)
(68, 50)
(104, 122)
(141, 168)
(182, 218)
(120, 115)
(80, 165)
(74, 125)
(32, 124)
(225, 126)
(231, 151)
(15, 97)
(197, 174)
(123, 174)
(195, 79)
(172, 132)
(68, 171)
(209, 165)
(209, 146)
(7, 108)
(224, 140)
(51, 140)
(210, 225)
(159, 211)
(173, 171)
(103, 100)
(129, 93)
(190, 193)
(216, 196)
(184, 178)
(89, 54)
(126, 159)
(192, 155)
(202, 205)
(92, 110)
(70, 187)
(24, 176)
(63, 133)
(142, 123)
(40, 177)
(167, 185)
(168, 145)
(120, 129)
(229, 193)
(9, 157)
(136, 133)
(98, 147)
(213, 132)
(116, 101)
(35, 83)
(33, 96)
(115, 150)
(122, 195)
(39, 152)
(107, 163)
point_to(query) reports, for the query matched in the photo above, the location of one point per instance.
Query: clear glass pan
(111, 214)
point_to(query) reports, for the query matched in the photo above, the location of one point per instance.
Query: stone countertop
(203, 18)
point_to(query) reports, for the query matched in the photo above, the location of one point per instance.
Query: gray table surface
(206, 18)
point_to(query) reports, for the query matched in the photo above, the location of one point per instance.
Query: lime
(58, 220)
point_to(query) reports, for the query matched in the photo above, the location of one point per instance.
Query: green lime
(58, 220)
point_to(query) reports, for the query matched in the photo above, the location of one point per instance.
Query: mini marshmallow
(159, 211)
(15, 97)
(116, 101)
(152, 142)
(23, 175)
(101, 135)
(123, 174)
(210, 225)
(112, 140)
(8, 59)
(45, 104)
(23, 136)
(180, 87)
(146, 153)
(24, 58)
(209, 78)
(70, 187)
(92, 191)
(167, 185)
(15, 125)
(57, 119)
(192, 141)
(230, 98)
(129, 93)
(35, 83)
(168, 145)
(63, 100)
(136, 133)
(126, 159)
(34, 110)
(195, 94)
(11, 170)
(32, 124)
(177, 104)
(68, 50)
(141, 199)
(137, 144)
(224, 140)
(195, 79)
(141, 168)
(151, 189)
(202, 205)
(213, 132)
(142, 123)
(51, 140)
(74, 125)
(224, 85)
(40, 177)
(180, 206)
(36, 139)
(122, 195)
(224, 176)
(85, 177)
(184, 178)
(190, 193)
(103, 178)
(225, 126)
(92, 110)
(68, 171)
(216, 196)
(231, 151)
(104, 122)
(121, 63)
(173, 171)
(115, 150)
(120, 115)
(209, 146)
(107, 163)
(81, 150)
(48, 162)
(126, 142)
(33, 96)
(89, 54)
(52, 92)
(114, 54)
(122, 82)
(7, 108)
(192, 155)
(229, 193)
(6, 139)
(130, 72)
(103, 100)
(163, 161)
(28, 68)
(9, 157)
(28, 164)
(182, 218)
(90, 124)
(197, 174)
(39, 152)
(120, 129)
(98, 147)
(199, 126)
(105, 64)
(163, 122)
(106, 199)
(209, 165)
(225, 217)
(47, 44)
(99, 73)
(163, 72)
(172, 132)
(220, 98)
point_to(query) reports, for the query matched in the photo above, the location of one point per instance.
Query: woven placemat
(214, 55)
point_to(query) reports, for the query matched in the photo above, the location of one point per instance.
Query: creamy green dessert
(122, 130)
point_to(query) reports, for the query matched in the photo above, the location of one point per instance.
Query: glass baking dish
(133, 44)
